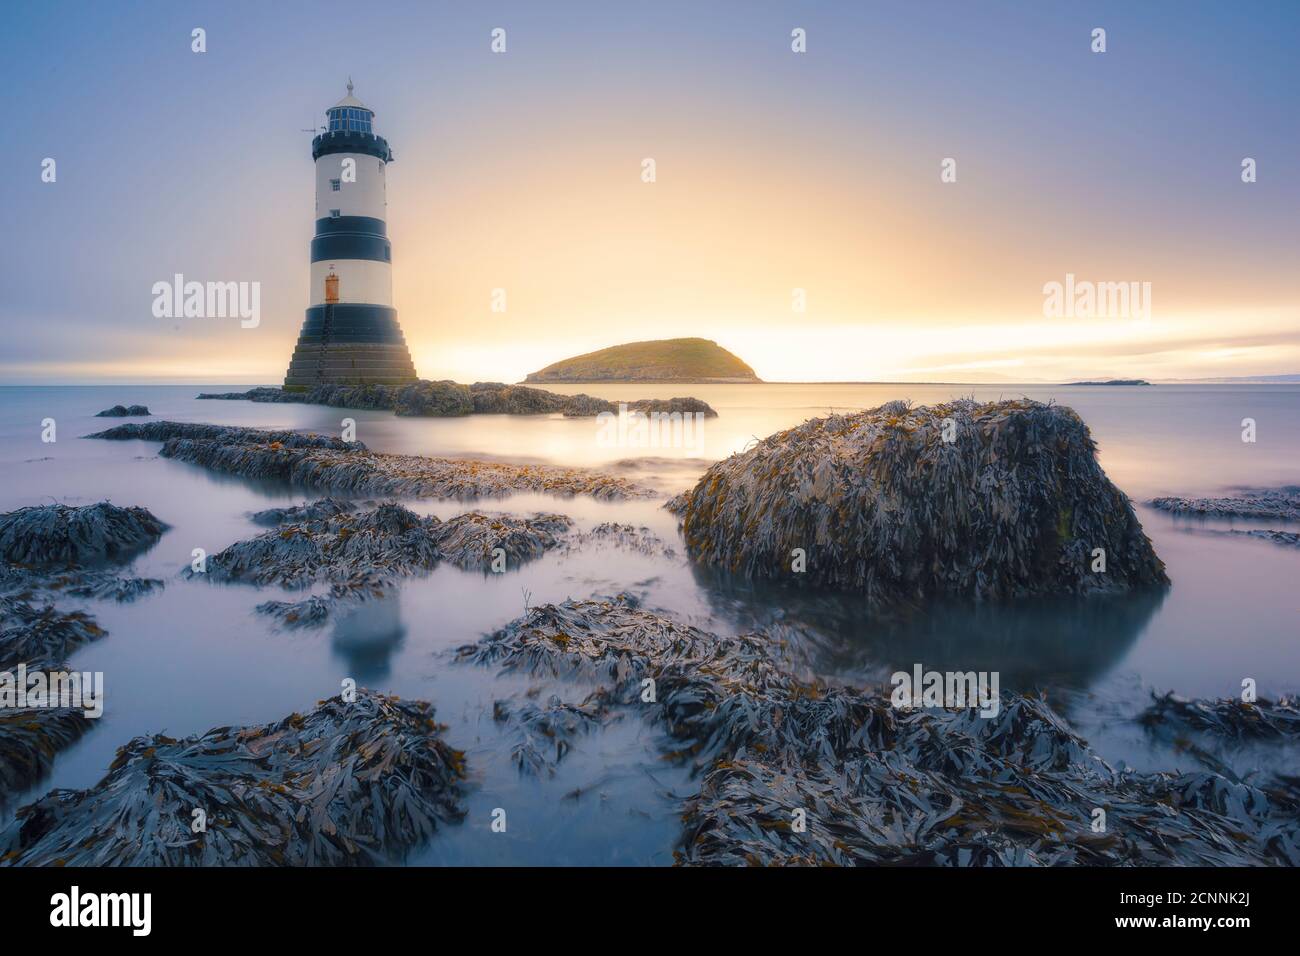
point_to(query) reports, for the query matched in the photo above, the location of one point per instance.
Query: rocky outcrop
(224, 434)
(350, 783)
(449, 399)
(988, 501)
(1270, 503)
(123, 411)
(332, 465)
(48, 535)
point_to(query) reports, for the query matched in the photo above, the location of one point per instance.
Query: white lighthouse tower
(351, 335)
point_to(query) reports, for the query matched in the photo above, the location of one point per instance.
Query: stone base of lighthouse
(350, 345)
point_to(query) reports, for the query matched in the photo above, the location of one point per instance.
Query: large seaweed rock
(872, 783)
(347, 784)
(46, 535)
(1014, 504)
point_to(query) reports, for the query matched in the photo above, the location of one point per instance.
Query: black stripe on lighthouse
(365, 224)
(351, 245)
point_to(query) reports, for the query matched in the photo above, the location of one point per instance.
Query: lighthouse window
(334, 185)
(335, 213)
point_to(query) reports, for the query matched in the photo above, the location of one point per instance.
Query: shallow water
(196, 655)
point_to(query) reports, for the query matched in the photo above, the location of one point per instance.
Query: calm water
(196, 655)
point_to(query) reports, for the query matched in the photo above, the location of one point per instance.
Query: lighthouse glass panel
(349, 119)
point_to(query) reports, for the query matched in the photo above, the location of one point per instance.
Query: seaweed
(29, 739)
(42, 636)
(317, 609)
(308, 511)
(226, 434)
(1283, 503)
(469, 540)
(48, 535)
(75, 582)
(1289, 539)
(346, 784)
(448, 399)
(328, 464)
(365, 549)
(1227, 718)
(794, 770)
(1014, 504)
(545, 734)
(640, 540)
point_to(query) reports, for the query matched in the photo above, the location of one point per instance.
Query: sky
(781, 179)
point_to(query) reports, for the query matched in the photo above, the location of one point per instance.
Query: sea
(197, 655)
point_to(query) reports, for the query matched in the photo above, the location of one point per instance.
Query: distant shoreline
(213, 383)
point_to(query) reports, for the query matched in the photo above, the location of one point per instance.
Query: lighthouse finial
(349, 84)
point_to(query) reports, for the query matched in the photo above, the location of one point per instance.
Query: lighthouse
(351, 335)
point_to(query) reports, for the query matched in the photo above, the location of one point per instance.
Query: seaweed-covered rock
(316, 461)
(310, 511)
(364, 549)
(346, 784)
(448, 399)
(434, 399)
(883, 504)
(123, 411)
(223, 434)
(1290, 539)
(494, 398)
(874, 784)
(1227, 719)
(1281, 503)
(469, 540)
(46, 535)
(41, 637)
(29, 739)
(76, 582)
(668, 406)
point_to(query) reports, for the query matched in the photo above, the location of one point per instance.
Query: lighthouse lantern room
(351, 335)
